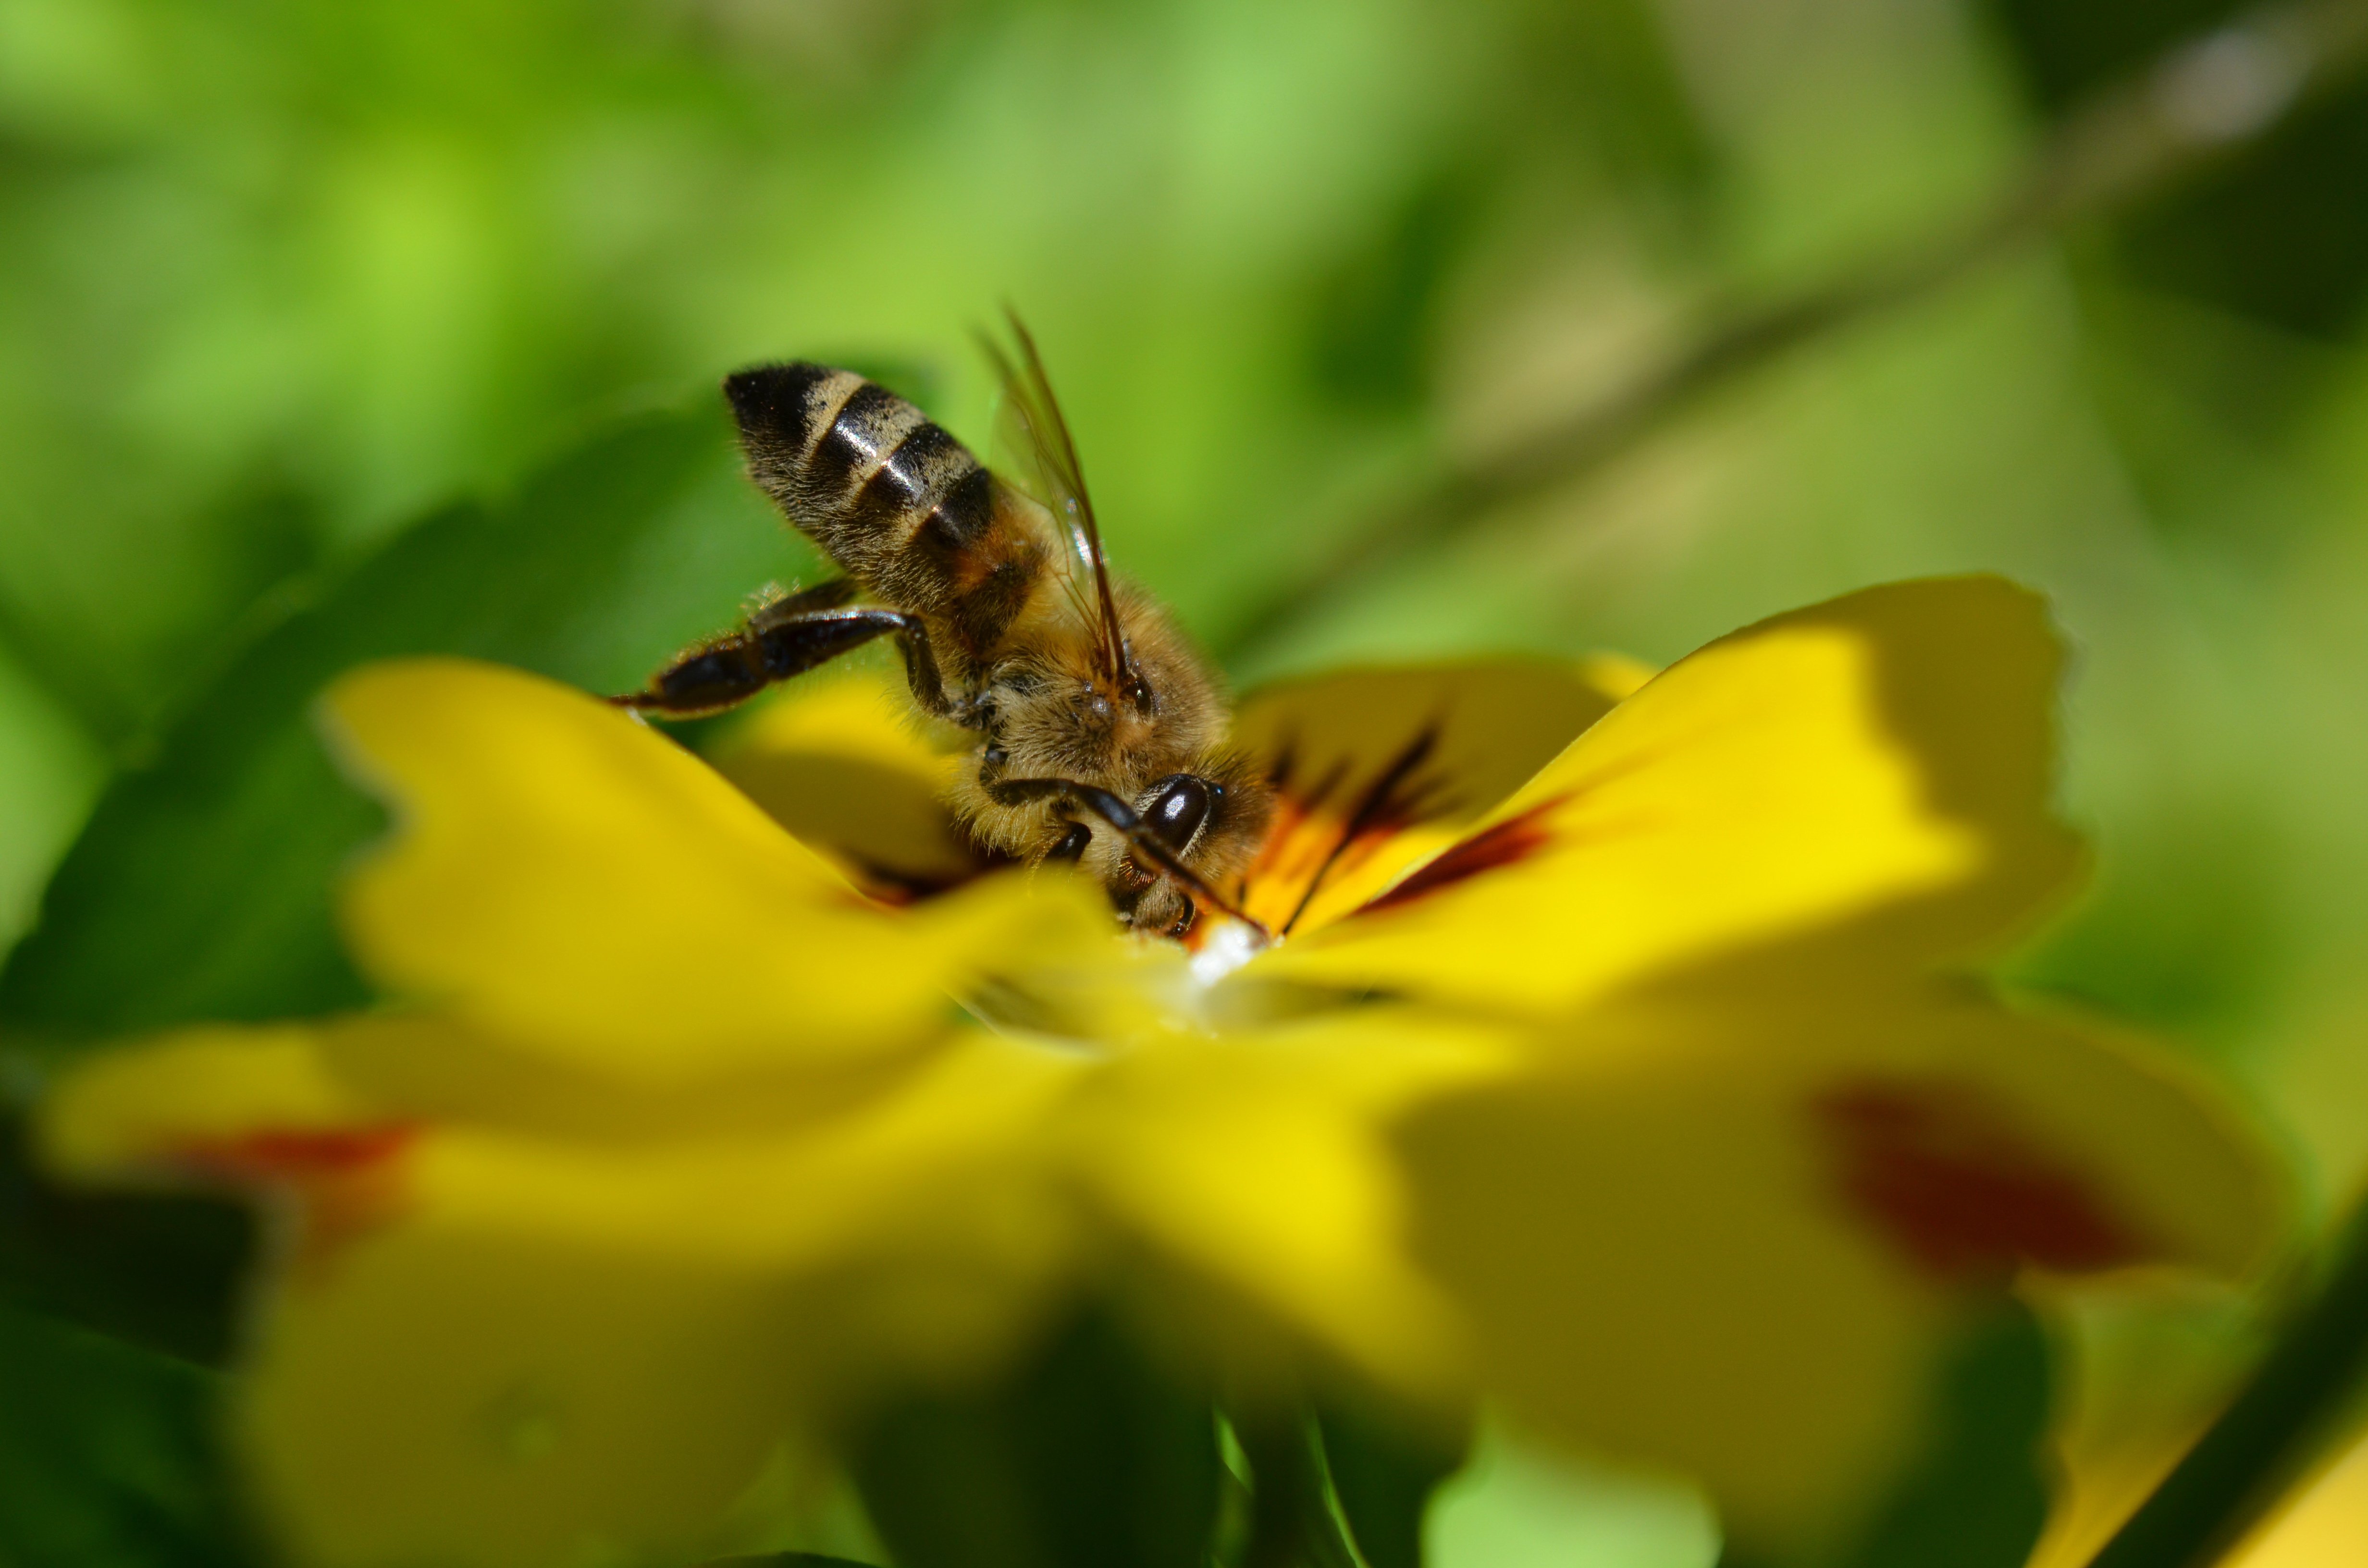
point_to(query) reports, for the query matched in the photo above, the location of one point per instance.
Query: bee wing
(1053, 477)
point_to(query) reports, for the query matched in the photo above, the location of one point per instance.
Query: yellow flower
(2323, 1523)
(1616, 1065)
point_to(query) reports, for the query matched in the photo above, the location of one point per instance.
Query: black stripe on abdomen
(887, 492)
(778, 407)
(867, 423)
(773, 405)
(909, 478)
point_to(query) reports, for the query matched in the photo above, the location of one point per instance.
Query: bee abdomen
(887, 493)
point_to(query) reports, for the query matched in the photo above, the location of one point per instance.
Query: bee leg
(720, 673)
(921, 671)
(725, 671)
(780, 641)
(1129, 825)
(788, 607)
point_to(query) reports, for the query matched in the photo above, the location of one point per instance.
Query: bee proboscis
(1101, 733)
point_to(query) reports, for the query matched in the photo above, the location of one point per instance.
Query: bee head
(1211, 818)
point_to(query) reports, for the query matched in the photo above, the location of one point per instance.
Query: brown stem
(2190, 108)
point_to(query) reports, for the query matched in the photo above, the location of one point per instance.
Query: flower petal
(135, 1112)
(2149, 1360)
(1256, 1168)
(1889, 751)
(1377, 770)
(1728, 1228)
(2323, 1526)
(491, 1348)
(461, 1392)
(839, 760)
(564, 878)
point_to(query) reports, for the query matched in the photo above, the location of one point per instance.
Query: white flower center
(1230, 945)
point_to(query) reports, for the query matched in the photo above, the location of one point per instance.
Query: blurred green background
(279, 279)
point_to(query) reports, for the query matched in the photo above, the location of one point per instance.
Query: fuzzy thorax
(1056, 713)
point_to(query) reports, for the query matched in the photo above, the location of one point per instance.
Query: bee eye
(1179, 804)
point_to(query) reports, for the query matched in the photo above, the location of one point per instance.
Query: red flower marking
(1515, 838)
(1941, 1171)
(1314, 837)
(300, 1155)
(345, 1180)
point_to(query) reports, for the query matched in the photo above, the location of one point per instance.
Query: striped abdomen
(897, 502)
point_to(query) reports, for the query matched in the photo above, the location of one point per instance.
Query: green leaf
(1519, 1505)
(1293, 1521)
(107, 1458)
(158, 1272)
(1383, 1477)
(202, 886)
(2265, 1442)
(1089, 1460)
(1977, 1497)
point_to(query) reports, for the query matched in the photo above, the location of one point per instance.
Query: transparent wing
(1040, 438)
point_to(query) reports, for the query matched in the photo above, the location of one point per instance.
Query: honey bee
(1101, 733)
